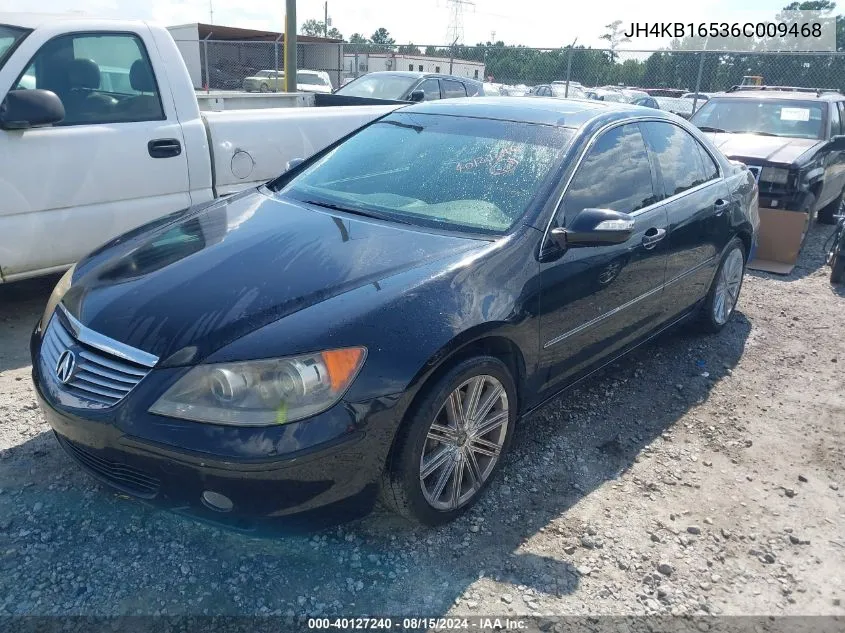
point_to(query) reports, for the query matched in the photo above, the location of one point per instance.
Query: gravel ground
(702, 474)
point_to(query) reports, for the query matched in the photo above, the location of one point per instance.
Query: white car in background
(274, 81)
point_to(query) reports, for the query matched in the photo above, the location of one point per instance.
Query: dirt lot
(703, 474)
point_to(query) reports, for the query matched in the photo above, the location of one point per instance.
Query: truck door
(115, 162)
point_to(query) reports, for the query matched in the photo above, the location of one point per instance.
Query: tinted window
(431, 88)
(378, 86)
(835, 124)
(678, 157)
(453, 172)
(615, 174)
(452, 89)
(103, 78)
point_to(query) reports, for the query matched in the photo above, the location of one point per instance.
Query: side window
(841, 107)
(678, 157)
(711, 169)
(431, 88)
(452, 89)
(410, 66)
(835, 120)
(615, 174)
(100, 78)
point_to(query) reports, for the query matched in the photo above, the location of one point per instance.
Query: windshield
(790, 118)
(265, 73)
(10, 37)
(310, 80)
(379, 86)
(456, 173)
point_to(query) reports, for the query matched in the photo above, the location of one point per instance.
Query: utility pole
(569, 67)
(211, 12)
(290, 46)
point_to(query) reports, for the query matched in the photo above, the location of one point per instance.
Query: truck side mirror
(22, 109)
(417, 96)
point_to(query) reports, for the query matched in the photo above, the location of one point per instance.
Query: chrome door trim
(626, 305)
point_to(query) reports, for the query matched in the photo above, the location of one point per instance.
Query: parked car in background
(492, 89)
(274, 81)
(647, 102)
(791, 138)
(484, 255)
(519, 90)
(410, 86)
(675, 105)
(664, 92)
(227, 78)
(603, 94)
(557, 90)
(101, 131)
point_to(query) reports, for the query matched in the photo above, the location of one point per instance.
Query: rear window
(769, 117)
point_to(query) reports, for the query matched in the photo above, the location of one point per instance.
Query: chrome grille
(105, 370)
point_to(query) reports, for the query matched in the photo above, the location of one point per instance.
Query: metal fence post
(206, 63)
(698, 80)
(569, 67)
(276, 55)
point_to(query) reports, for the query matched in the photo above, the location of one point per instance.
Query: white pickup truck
(85, 157)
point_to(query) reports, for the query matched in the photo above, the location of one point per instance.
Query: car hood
(768, 149)
(211, 276)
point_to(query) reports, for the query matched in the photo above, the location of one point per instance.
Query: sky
(539, 23)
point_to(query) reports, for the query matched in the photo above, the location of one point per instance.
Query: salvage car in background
(381, 315)
(792, 138)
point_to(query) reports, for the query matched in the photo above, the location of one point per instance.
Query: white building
(356, 64)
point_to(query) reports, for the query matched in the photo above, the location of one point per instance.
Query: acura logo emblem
(66, 366)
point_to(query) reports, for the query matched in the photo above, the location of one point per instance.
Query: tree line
(675, 67)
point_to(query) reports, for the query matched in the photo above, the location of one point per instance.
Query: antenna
(455, 32)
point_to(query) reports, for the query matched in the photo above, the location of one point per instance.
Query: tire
(712, 319)
(825, 215)
(807, 207)
(837, 266)
(264, 88)
(447, 450)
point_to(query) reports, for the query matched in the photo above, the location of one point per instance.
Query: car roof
(780, 94)
(572, 113)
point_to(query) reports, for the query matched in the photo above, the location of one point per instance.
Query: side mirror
(22, 109)
(294, 162)
(595, 227)
(417, 96)
(837, 143)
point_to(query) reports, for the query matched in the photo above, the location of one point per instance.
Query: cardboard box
(779, 240)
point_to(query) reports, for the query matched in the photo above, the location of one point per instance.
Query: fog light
(216, 501)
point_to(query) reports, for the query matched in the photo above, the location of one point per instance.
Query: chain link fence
(227, 65)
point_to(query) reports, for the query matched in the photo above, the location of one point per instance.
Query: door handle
(720, 206)
(652, 237)
(164, 148)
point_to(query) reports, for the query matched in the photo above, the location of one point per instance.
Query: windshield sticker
(500, 163)
(795, 114)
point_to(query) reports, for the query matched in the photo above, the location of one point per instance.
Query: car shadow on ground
(117, 556)
(21, 305)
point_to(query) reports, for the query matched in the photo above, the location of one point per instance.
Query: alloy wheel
(727, 287)
(464, 442)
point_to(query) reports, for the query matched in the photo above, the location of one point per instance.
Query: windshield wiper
(705, 128)
(361, 212)
(757, 132)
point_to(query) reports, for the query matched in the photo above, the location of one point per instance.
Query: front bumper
(264, 471)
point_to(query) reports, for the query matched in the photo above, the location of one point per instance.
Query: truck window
(835, 124)
(452, 89)
(100, 78)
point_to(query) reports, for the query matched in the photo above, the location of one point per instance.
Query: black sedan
(380, 317)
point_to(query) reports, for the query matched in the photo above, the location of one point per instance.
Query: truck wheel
(807, 207)
(826, 215)
(837, 265)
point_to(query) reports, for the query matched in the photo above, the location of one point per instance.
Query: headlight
(262, 392)
(774, 174)
(58, 292)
